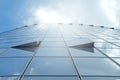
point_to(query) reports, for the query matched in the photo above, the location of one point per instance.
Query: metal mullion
(29, 62)
(79, 76)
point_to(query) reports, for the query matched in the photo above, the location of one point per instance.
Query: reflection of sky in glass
(111, 52)
(89, 66)
(16, 52)
(101, 78)
(51, 66)
(50, 78)
(12, 66)
(8, 78)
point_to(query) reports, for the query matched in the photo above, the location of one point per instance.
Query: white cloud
(47, 15)
(112, 10)
(98, 12)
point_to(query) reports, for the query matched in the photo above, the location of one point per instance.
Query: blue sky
(9, 14)
(16, 13)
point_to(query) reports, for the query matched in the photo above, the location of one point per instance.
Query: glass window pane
(111, 52)
(117, 60)
(85, 53)
(50, 78)
(105, 45)
(78, 41)
(51, 66)
(12, 66)
(52, 52)
(54, 36)
(53, 44)
(16, 52)
(53, 39)
(101, 78)
(6, 45)
(96, 66)
(8, 78)
(2, 50)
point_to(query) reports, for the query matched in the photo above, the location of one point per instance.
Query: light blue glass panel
(8, 78)
(70, 38)
(96, 66)
(53, 44)
(70, 35)
(97, 40)
(51, 66)
(50, 78)
(53, 39)
(53, 36)
(52, 52)
(117, 43)
(111, 52)
(16, 52)
(2, 50)
(101, 78)
(85, 53)
(113, 40)
(78, 41)
(28, 41)
(12, 66)
(105, 45)
(117, 60)
(106, 37)
(53, 30)
(6, 45)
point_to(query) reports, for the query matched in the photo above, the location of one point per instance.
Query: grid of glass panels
(66, 52)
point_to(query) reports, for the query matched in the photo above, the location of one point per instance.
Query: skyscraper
(60, 52)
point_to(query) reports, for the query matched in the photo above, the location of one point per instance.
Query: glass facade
(60, 52)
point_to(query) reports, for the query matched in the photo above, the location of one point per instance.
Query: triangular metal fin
(86, 47)
(28, 46)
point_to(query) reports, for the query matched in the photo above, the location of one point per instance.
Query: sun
(47, 16)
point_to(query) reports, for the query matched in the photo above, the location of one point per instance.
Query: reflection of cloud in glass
(8, 78)
(113, 52)
(113, 65)
(31, 70)
(42, 27)
(12, 78)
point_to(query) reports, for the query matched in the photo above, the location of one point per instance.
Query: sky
(17, 13)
